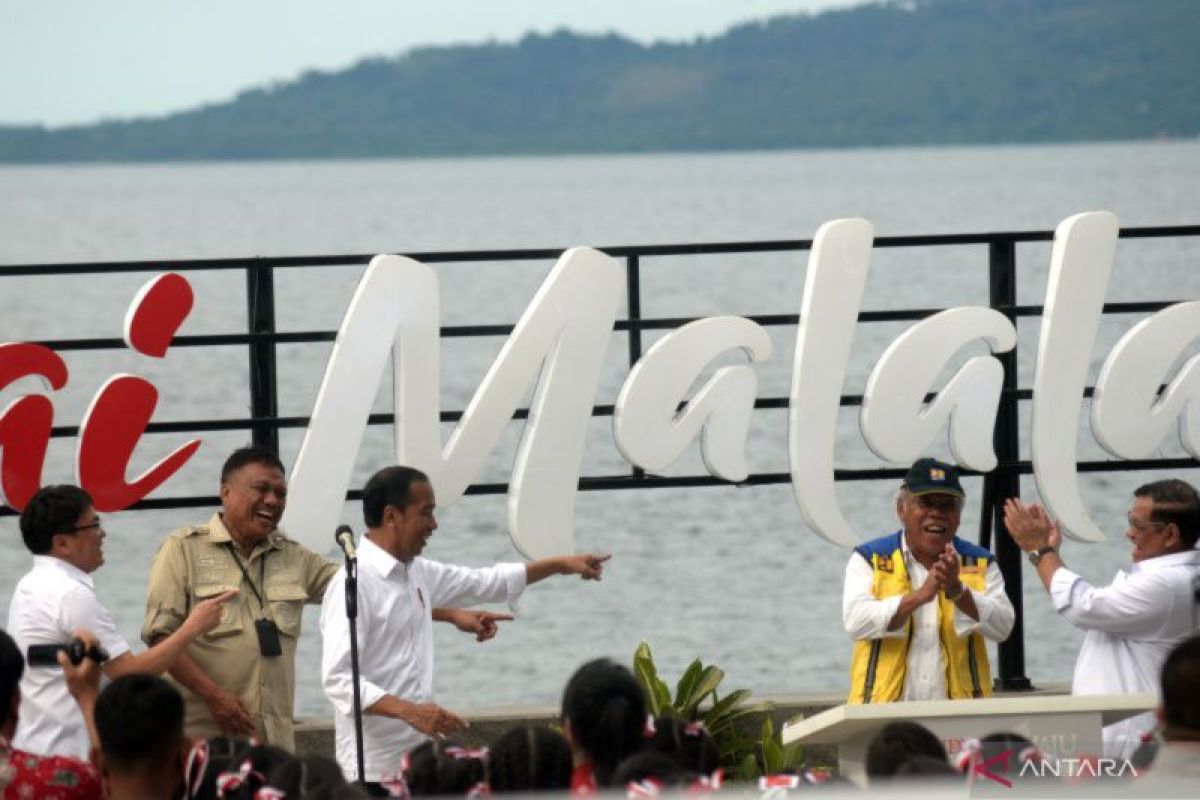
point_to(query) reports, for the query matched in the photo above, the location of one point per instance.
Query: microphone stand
(352, 617)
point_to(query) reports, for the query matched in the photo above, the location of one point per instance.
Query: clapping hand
(1030, 526)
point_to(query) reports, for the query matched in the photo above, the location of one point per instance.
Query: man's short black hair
(54, 509)
(12, 667)
(1175, 501)
(390, 486)
(1180, 697)
(898, 742)
(253, 454)
(140, 721)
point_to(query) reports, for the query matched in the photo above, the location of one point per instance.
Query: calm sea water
(726, 574)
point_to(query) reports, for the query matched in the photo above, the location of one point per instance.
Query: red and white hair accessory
(968, 754)
(650, 731)
(479, 791)
(1028, 754)
(695, 728)
(816, 775)
(395, 783)
(232, 781)
(647, 787)
(195, 766)
(480, 753)
(707, 784)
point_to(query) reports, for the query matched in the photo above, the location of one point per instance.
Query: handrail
(261, 339)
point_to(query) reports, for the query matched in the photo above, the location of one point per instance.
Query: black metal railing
(265, 422)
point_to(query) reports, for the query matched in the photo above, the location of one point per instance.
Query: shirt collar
(1169, 560)
(379, 559)
(906, 553)
(219, 534)
(66, 567)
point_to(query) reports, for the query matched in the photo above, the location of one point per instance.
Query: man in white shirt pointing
(1132, 623)
(397, 592)
(55, 598)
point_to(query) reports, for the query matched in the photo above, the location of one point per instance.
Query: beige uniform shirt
(199, 562)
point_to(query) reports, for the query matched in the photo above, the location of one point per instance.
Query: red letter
(25, 424)
(156, 312)
(108, 434)
(121, 410)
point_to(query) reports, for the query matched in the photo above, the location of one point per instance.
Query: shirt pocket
(287, 607)
(231, 618)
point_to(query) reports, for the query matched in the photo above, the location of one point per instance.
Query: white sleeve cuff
(1062, 588)
(515, 582)
(963, 624)
(887, 608)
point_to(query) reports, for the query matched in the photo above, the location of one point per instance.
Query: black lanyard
(262, 576)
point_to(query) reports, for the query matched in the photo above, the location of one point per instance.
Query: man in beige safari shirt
(239, 678)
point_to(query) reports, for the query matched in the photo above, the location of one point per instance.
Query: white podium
(1061, 726)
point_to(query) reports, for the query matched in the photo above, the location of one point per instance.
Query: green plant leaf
(793, 756)
(724, 706)
(685, 692)
(658, 696)
(710, 679)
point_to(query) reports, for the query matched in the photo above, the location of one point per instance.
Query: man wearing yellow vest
(920, 602)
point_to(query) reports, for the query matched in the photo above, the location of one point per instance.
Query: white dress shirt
(865, 617)
(1132, 624)
(50, 602)
(395, 642)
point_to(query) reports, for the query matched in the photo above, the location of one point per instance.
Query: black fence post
(633, 299)
(1005, 481)
(264, 403)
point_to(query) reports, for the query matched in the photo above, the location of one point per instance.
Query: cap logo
(936, 474)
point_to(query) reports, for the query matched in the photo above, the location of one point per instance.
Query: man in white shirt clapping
(56, 597)
(1133, 623)
(397, 593)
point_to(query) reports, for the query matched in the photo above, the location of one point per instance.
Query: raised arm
(163, 654)
(468, 620)
(589, 567)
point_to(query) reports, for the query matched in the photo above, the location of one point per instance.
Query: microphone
(345, 540)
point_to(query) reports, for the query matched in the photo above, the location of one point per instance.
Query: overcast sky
(69, 61)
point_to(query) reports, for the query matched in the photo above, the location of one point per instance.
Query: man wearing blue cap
(920, 602)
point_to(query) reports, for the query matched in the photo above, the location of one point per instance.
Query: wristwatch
(1035, 557)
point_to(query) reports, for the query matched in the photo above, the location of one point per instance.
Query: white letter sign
(897, 423)
(833, 289)
(648, 431)
(1080, 267)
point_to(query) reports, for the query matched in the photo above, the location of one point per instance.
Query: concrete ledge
(314, 735)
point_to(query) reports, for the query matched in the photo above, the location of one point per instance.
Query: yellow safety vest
(878, 665)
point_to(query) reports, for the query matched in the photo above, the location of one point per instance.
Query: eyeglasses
(93, 524)
(1144, 524)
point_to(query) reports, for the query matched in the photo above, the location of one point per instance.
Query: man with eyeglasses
(1131, 624)
(55, 598)
(920, 602)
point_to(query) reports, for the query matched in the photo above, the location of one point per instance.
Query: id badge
(268, 637)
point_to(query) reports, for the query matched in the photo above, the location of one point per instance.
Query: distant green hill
(921, 72)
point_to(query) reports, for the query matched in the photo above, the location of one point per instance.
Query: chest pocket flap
(231, 618)
(287, 605)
